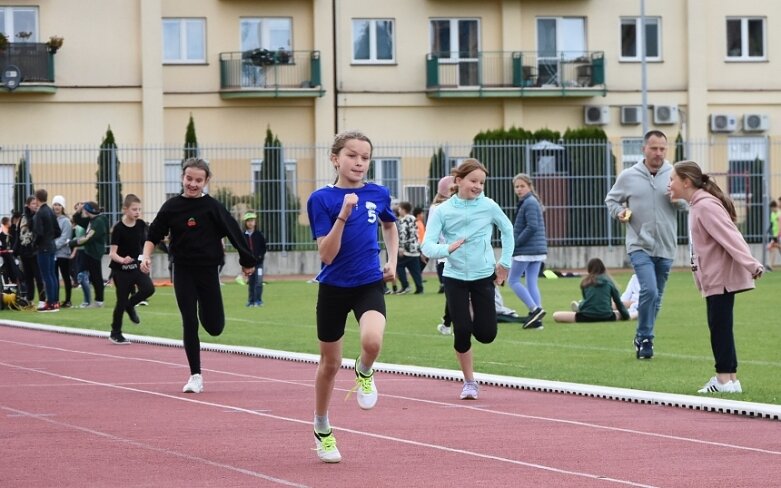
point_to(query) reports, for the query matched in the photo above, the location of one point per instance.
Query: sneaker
(67, 304)
(131, 312)
(444, 329)
(469, 391)
(95, 305)
(713, 386)
(143, 303)
(325, 445)
(536, 325)
(388, 291)
(574, 306)
(240, 280)
(85, 305)
(194, 384)
(736, 386)
(418, 292)
(536, 314)
(441, 289)
(118, 339)
(644, 348)
(48, 307)
(403, 291)
(366, 393)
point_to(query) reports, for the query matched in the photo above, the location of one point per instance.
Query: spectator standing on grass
(25, 249)
(409, 250)
(531, 249)
(62, 253)
(197, 224)
(93, 243)
(127, 243)
(256, 242)
(466, 221)
(344, 218)
(721, 262)
(600, 295)
(639, 200)
(45, 231)
(773, 234)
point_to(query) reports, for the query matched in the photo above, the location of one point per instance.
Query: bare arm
(329, 245)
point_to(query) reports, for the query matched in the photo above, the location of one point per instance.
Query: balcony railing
(35, 62)
(263, 73)
(515, 74)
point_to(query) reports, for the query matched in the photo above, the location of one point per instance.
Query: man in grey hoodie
(640, 200)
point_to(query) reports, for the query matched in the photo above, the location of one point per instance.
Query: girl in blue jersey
(344, 218)
(466, 222)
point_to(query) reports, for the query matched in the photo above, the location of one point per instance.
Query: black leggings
(722, 338)
(32, 277)
(198, 295)
(93, 266)
(64, 265)
(480, 294)
(124, 282)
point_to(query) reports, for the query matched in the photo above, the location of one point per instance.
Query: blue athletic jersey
(358, 260)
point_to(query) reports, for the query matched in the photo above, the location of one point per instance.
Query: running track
(77, 411)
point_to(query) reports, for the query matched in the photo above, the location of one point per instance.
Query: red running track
(78, 411)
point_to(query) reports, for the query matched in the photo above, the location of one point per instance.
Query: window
(19, 24)
(7, 188)
(558, 39)
(633, 36)
(746, 38)
(272, 34)
(373, 41)
(632, 151)
(173, 177)
(291, 175)
(457, 42)
(385, 172)
(184, 40)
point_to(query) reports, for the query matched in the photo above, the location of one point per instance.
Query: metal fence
(571, 178)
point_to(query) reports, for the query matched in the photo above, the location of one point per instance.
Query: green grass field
(600, 354)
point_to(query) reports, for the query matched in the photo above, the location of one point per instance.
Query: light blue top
(474, 221)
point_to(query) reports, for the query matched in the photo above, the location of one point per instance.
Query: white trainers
(444, 329)
(470, 391)
(194, 384)
(325, 445)
(736, 386)
(574, 306)
(713, 386)
(366, 389)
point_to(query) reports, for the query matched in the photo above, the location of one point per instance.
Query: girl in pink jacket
(721, 262)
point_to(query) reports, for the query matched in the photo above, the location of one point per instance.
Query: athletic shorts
(579, 317)
(335, 302)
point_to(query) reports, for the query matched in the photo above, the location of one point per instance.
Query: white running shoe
(194, 384)
(325, 445)
(366, 393)
(736, 386)
(713, 386)
(470, 391)
(444, 329)
(574, 306)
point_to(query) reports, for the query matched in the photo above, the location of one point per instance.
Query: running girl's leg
(186, 294)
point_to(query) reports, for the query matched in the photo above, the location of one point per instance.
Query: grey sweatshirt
(652, 226)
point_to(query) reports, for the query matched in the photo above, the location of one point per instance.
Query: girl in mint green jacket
(466, 222)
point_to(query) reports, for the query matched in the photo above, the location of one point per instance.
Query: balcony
(261, 73)
(35, 64)
(515, 74)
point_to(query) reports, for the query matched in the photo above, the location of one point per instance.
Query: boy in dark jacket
(256, 241)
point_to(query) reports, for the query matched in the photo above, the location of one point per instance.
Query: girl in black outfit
(127, 242)
(24, 248)
(197, 223)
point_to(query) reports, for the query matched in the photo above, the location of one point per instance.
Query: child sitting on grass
(598, 292)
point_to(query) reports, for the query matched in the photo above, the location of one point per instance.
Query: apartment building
(401, 70)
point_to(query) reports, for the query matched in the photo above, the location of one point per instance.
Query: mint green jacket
(474, 221)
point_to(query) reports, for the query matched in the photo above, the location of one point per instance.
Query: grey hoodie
(652, 226)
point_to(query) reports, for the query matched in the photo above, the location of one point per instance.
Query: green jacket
(598, 299)
(95, 247)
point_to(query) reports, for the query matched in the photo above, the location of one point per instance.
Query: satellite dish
(11, 76)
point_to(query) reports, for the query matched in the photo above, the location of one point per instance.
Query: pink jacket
(723, 259)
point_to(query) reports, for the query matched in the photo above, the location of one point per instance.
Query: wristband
(343, 221)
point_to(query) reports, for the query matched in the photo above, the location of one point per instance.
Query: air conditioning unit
(665, 114)
(631, 114)
(596, 114)
(723, 123)
(755, 122)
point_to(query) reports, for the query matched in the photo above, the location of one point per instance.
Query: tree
(436, 170)
(23, 186)
(190, 141)
(109, 185)
(279, 207)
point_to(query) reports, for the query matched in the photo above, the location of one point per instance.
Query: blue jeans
(83, 279)
(255, 287)
(652, 273)
(46, 264)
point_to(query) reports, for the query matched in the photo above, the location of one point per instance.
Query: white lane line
(148, 447)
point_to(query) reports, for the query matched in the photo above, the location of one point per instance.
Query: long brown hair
(466, 167)
(594, 268)
(692, 172)
(528, 180)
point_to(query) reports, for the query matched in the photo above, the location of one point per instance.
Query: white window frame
(291, 175)
(184, 40)
(378, 164)
(265, 34)
(744, 36)
(561, 34)
(640, 38)
(373, 41)
(172, 177)
(7, 183)
(8, 28)
(629, 158)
